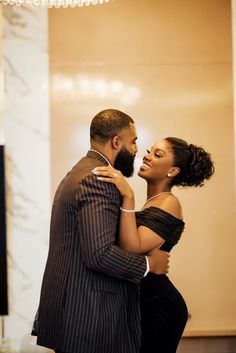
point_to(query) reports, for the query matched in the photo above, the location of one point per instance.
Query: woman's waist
(152, 277)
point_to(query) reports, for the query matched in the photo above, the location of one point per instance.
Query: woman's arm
(97, 226)
(138, 240)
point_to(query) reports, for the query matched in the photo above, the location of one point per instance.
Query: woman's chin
(141, 173)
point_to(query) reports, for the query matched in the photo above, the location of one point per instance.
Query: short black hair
(107, 124)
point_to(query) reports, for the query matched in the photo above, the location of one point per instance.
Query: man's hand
(158, 261)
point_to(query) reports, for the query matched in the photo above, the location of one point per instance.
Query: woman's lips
(144, 166)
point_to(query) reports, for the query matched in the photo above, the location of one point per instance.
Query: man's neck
(101, 154)
(104, 151)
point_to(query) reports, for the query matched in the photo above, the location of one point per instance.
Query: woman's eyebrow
(159, 149)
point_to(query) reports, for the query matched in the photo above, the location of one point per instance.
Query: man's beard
(125, 162)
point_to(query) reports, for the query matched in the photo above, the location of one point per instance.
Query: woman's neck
(157, 189)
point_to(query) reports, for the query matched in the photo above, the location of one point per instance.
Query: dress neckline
(165, 212)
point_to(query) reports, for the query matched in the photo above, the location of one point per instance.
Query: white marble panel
(26, 134)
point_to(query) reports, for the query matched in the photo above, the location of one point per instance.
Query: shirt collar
(94, 153)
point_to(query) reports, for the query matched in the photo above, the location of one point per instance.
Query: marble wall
(26, 135)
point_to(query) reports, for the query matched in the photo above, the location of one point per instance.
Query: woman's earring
(169, 175)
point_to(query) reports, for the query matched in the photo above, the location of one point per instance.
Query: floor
(208, 345)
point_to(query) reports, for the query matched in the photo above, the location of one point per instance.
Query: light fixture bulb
(54, 3)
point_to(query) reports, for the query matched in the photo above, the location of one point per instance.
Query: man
(89, 299)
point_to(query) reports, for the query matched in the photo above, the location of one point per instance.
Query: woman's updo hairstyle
(194, 162)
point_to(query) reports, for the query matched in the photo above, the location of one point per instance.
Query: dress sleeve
(161, 222)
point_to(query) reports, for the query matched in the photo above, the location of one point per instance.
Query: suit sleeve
(98, 218)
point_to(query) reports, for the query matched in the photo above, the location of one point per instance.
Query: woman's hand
(114, 176)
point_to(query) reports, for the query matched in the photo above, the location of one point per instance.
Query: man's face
(125, 157)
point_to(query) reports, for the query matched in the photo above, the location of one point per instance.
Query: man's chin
(125, 162)
(128, 173)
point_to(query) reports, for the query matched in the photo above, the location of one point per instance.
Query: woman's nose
(146, 157)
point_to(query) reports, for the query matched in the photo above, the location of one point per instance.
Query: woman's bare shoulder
(171, 204)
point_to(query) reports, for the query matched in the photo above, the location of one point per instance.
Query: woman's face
(157, 162)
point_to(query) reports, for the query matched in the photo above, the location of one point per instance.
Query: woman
(171, 162)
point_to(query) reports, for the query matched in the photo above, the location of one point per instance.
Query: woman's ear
(173, 172)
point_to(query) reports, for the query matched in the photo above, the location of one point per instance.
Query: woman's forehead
(162, 145)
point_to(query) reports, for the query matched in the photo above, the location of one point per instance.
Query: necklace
(153, 197)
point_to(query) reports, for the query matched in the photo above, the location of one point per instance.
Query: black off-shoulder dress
(163, 310)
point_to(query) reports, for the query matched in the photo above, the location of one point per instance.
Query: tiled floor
(208, 345)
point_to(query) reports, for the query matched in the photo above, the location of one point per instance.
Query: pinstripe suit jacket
(89, 300)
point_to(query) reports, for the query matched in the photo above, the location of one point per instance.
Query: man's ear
(115, 142)
(173, 172)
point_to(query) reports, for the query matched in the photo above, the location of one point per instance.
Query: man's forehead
(129, 131)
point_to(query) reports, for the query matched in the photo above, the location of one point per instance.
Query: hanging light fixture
(54, 3)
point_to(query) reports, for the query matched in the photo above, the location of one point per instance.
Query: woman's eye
(157, 155)
(148, 151)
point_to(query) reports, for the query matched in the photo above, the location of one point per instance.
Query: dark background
(3, 243)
